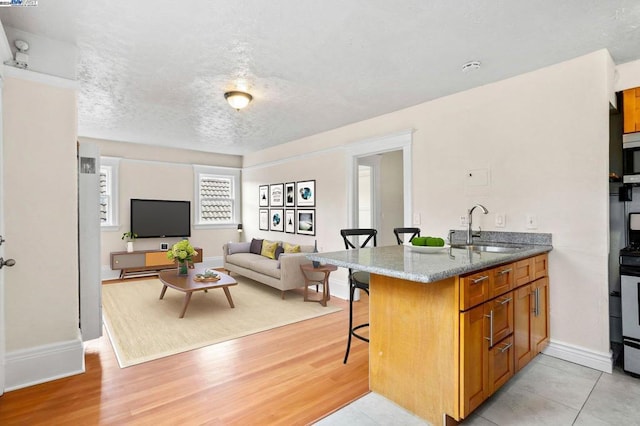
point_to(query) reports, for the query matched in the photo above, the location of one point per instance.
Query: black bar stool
(357, 279)
(414, 231)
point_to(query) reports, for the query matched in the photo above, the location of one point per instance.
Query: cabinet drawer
(502, 281)
(523, 272)
(499, 311)
(157, 258)
(474, 289)
(540, 266)
(127, 260)
(500, 364)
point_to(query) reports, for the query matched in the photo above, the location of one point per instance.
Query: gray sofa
(283, 273)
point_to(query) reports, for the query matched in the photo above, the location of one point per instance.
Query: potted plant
(129, 237)
(183, 253)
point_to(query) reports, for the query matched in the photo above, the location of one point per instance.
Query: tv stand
(144, 261)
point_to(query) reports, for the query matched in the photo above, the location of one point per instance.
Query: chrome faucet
(470, 234)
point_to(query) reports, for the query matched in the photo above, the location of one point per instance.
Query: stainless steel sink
(492, 248)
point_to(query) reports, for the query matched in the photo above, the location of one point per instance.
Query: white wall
(542, 138)
(391, 196)
(160, 173)
(41, 222)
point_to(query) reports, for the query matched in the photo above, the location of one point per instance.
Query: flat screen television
(160, 218)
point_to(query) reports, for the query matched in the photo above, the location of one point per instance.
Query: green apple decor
(182, 252)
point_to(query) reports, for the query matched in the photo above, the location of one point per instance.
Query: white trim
(37, 77)
(392, 142)
(40, 364)
(114, 164)
(579, 355)
(339, 288)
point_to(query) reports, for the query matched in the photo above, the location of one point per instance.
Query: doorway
(380, 188)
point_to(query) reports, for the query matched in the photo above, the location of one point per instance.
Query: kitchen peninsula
(448, 328)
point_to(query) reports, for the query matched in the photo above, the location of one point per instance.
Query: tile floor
(548, 391)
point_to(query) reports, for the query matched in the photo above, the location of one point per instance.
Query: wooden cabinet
(486, 340)
(631, 110)
(144, 261)
(441, 349)
(531, 318)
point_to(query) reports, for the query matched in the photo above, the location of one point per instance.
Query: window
(109, 193)
(217, 196)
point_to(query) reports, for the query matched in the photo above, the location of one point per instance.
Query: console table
(144, 261)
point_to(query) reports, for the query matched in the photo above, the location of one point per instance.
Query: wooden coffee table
(188, 285)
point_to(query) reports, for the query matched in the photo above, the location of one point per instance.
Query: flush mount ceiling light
(471, 66)
(237, 99)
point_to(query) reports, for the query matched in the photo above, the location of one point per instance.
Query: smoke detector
(22, 59)
(471, 66)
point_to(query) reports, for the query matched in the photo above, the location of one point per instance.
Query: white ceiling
(154, 71)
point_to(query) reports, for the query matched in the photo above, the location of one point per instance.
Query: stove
(630, 296)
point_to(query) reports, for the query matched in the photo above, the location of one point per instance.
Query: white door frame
(392, 142)
(2, 298)
(373, 162)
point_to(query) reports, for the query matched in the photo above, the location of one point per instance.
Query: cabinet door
(631, 110)
(501, 364)
(474, 348)
(127, 260)
(499, 311)
(522, 315)
(502, 280)
(540, 315)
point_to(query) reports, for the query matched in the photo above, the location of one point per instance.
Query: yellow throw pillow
(291, 248)
(269, 249)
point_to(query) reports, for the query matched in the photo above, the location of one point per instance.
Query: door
(2, 343)
(368, 189)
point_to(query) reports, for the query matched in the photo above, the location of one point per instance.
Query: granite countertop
(407, 263)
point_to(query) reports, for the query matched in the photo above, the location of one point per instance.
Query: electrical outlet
(416, 218)
(532, 221)
(500, 220)
(463, 220)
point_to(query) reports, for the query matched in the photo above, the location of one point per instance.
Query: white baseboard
(40, 364)
(579, 355)
(339, 288)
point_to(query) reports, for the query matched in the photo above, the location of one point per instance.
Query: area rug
(143, 328)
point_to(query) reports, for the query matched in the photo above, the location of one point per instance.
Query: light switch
(416, 218)
(532, 221)
(463, 220)
(500, 220)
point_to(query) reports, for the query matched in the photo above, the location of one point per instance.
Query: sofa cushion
(267, 267)
(238, 247)
(279, 251)
(269, 249)
(291, 248)
(256, 246)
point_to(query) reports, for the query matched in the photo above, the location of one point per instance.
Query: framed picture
(276, 195)
(263, 193)
(276, 220)
(306, 193)
(290, 194)
(264, 219)
(290, 221)
(306, 223)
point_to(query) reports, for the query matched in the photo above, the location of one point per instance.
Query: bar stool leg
(352, 291)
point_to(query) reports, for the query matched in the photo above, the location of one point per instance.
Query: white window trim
(227, 172)
(114, 164)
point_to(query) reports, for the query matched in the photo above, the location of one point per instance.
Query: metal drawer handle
(480, 279)
(506, 300)
(490, 338)
(505, 271)
(506, 348)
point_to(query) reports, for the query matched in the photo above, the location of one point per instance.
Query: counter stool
(415, 232)
(357, 279)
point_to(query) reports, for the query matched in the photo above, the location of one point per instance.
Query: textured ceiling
(154, 71)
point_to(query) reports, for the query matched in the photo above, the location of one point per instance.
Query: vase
(130, 246)
(183, 268)
(316, 264)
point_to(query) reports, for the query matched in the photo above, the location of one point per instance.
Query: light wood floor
(291, 375)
